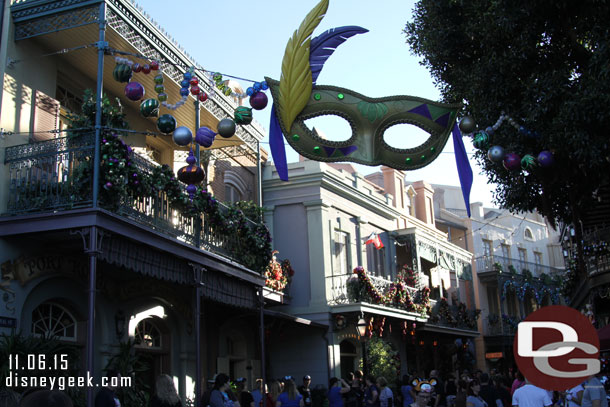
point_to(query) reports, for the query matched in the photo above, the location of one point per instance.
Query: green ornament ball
(149, 108)
(166, 124)
(226, 128)
(159, 79)
(162, 97)
(159, 89)
(528, 162)
(481, 140)
(243, 115)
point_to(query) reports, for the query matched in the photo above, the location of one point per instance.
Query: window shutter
(45, 118)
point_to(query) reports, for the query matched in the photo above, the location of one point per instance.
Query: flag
(374, 238)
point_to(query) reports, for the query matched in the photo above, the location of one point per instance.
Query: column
(320, 257)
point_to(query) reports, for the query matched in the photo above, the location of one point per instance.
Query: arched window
(148, 335)
(235, 188)
(528, 234)
(53, 320)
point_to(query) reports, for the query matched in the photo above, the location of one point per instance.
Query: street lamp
(362, 326)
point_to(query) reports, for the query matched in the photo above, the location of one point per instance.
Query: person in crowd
(474, 399)
(165, 393)
(336, 389)
(502, 384)
(205, 396)
(305, 390)
(518, 382)
(107, 397)
(371, 393)
(386, 397)
(258, 392)
(408, 394)
(574, 396)
(450, 390)
(439, 389)
(423, 397)
(218, 395)
(243, 395)
(290, 397)
(529, 395)
(233, 399)
(275, 389)
(45, 398)
(462, 393)
(489, 393)
(594, 394)
(354, 397)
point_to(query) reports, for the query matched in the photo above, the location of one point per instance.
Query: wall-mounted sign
(494, 355)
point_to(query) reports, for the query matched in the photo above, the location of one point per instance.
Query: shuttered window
(45, 118)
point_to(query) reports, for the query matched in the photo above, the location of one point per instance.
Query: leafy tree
(545, 64)
(382, 360)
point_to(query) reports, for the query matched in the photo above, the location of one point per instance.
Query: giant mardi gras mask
(297, 98)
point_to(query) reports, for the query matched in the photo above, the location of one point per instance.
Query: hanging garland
(511, 161)
(459, 316)
(536, 287)
(398, 294)
(122, 182)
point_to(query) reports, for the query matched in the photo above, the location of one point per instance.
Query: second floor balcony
(56, 175)
(511, 265)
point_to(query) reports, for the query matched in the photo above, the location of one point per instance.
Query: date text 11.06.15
(38, 362)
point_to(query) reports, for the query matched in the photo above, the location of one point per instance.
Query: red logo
(556, 348)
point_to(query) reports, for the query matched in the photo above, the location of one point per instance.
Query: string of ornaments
(192, 174)
(497, 154)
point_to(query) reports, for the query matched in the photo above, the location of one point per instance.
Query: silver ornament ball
(495, 154)
(467, 125)
(183, 136)
(226, 128)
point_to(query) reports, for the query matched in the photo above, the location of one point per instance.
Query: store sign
(494, 355)
(7, 322)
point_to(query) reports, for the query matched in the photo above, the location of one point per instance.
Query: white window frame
(341, 257)
(51, 321)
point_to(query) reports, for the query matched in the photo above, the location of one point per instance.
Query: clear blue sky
(247, 39)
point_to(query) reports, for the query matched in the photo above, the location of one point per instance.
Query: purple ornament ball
(512, 161)
(191, 189)
(134, 91)
(258, 101)
(545, 159)
(205, 136)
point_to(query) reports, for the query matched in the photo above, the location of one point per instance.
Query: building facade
(322, 220)
(518, 266)
(95, 269)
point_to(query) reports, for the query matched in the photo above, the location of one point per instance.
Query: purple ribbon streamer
(463, 166)
(276, 142)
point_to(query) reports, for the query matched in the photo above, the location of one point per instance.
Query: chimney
(476, 210)
(394, 184)
(424, 202)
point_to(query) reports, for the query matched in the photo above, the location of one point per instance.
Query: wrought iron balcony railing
(506, 264)
(341, 292)
(56, 175)
(500, 325)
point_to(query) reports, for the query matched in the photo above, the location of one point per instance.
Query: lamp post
(362, 326)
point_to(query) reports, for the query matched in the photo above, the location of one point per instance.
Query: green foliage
(545, 64)
(498, 267)
(127, 362)
(123, 182)
(382, 359)
(112, 116)
(512, 269)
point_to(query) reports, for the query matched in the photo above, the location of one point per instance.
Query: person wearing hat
(243, 395)
(305, 390)
(423, 396)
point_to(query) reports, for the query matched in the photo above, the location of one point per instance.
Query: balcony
(496, 325)
(56, 175)
(509, 265)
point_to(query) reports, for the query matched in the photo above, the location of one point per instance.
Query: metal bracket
(198, 271)
(103, 45)
(84, 234)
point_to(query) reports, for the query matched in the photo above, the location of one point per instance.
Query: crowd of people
(479, 389)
